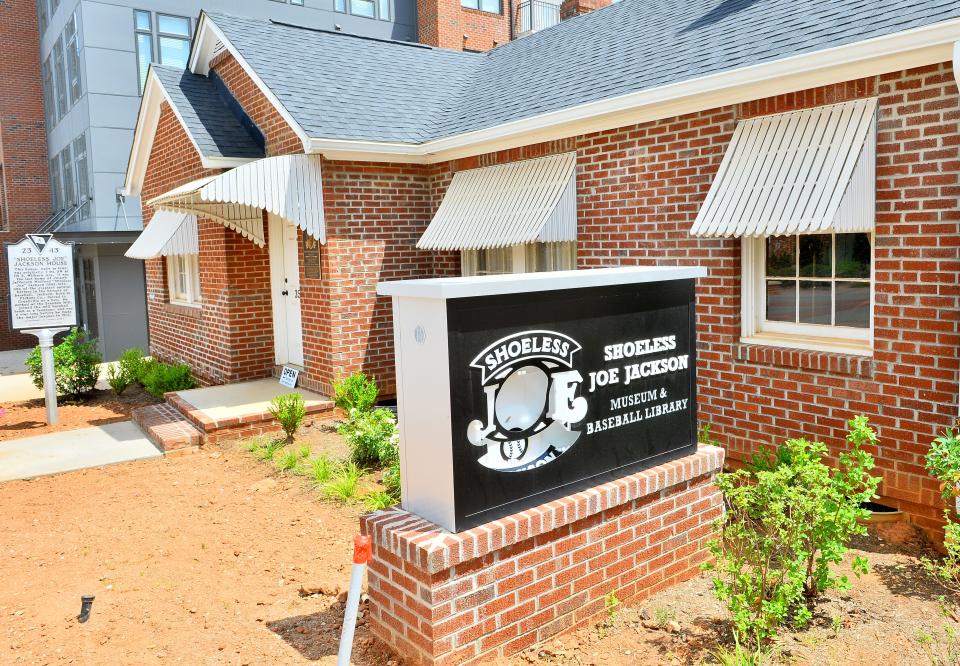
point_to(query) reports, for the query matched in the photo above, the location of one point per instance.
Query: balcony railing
(534, 15)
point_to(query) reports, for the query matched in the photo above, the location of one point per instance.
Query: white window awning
(797, 172)
(289, 186)
(167, 234)
(508, 204)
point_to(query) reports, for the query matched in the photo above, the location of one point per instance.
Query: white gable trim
(154, 95)
(205, 49)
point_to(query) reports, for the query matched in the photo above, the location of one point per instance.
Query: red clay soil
(196, 559)
(25, 419)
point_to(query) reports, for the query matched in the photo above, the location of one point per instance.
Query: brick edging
(208, 425)
(432, 549)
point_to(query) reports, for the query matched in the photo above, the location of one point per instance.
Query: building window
(165, 41)
(49, 99)
(529, 258)
(56, 186)
(379, 9)
(491, 6)
(183, 279)
(72, 49)
(813, 288)
(59, 79)
(43, 18)
(82, 175)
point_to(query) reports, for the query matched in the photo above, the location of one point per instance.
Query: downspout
(956, 76)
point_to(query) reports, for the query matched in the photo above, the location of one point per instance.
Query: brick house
(809, 159)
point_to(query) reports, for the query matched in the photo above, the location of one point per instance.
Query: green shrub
(943, 463)
(161, 378)
(355, 392)
(371, 436)
(289, 411)
(379, 500)
(391, 479)
(76, 364)
(117, 379)
(322, 469)
(133, 364)
(788, 521)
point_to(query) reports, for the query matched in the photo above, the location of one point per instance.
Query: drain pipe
(361, 555)
(86, 604)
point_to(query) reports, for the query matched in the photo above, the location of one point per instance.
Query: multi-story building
(92, 62)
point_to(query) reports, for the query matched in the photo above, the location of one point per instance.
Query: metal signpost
(42, 299)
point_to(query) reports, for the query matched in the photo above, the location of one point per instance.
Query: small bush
(391, 480)
(371, 437)
(943, 463)
(117, 379)
(132, 364)
(289, 461)
(76, 364)
(788, 522)
(321, 469)
(356, 392)
(161, 378)
(289, 411)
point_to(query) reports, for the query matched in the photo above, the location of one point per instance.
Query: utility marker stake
(361, 555)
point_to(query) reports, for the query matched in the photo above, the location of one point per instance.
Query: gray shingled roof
(209, 120)
(342, 86)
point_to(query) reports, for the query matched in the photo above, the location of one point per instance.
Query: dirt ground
(25, 419)
(206, 559)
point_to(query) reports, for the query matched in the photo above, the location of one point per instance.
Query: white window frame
(518, 263)
(755, 329)
(155, 35)
(189, 266)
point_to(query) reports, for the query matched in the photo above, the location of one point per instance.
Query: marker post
(45, 341)
(361, 555)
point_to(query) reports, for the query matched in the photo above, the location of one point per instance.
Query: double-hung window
(60, 79)
(82, 175)
(72, 54)
(528, 258)
(183, 280)
(798, 188)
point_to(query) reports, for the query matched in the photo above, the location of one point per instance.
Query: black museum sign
(517, 390)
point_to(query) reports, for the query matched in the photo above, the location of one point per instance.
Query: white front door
(285, 286)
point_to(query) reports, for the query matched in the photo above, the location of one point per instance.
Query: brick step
(167, 428)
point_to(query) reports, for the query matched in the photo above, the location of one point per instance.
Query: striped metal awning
(509, 204)
(796, 172)
(289, 186)
(167, 234)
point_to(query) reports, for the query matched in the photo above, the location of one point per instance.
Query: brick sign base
(442, 598)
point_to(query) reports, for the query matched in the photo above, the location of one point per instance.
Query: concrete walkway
(74, 449)
(13, 362)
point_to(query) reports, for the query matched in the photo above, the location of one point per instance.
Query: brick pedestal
(442, 598)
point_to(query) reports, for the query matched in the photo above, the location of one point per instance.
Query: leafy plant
(739, 655)
(288, 461)
(372, 437)
(942, 648)
(612, 605)
(161, 378)
(704, 436)
(391, 479)
(116, 378)
(268, 450)
(355, 391)
(378, 500)
(289, 411)
(788, 522)
(943, 463)
(133, 364)
(343, 484)
(663, 617)
(76, 364)
(322, 469)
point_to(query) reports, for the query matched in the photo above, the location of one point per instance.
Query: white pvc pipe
(45, 341)
(361, 555)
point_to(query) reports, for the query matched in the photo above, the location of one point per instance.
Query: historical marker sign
(40, 273)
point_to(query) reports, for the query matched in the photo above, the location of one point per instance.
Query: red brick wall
(447, 24)
(230, 338)
(25, 187)
(639, 190)
(499, 588)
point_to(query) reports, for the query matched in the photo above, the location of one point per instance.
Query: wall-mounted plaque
(42, 292)
(311, 257)
(541, 385)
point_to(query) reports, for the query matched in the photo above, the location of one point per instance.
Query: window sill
(192, 310)
(482, 12)
(839, 357)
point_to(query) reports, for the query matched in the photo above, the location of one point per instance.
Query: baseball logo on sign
(532, 400)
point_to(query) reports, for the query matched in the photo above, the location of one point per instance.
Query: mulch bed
(25, 419)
